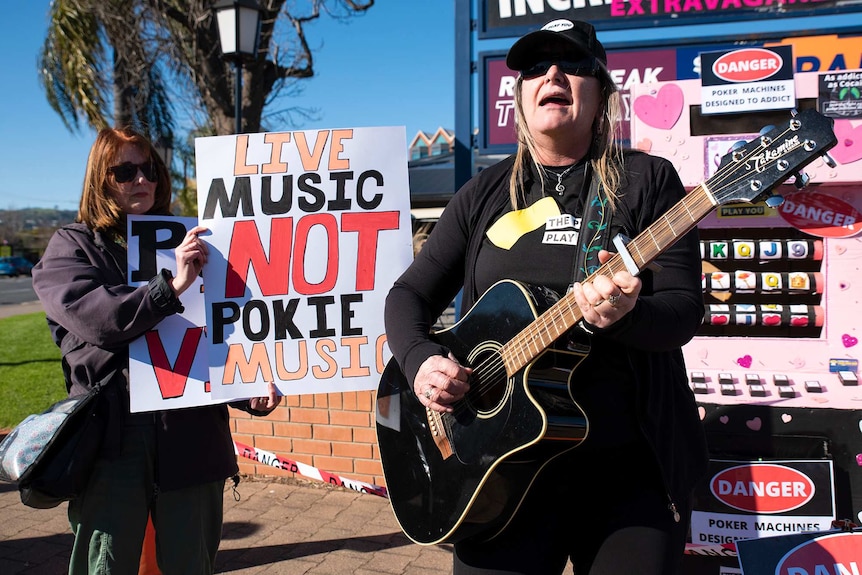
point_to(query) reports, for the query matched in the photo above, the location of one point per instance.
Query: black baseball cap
(564, 39)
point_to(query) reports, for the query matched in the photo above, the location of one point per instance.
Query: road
(17, 296)
(16, 290)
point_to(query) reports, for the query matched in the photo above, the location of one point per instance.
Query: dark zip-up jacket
(93, 315)
(646, 342)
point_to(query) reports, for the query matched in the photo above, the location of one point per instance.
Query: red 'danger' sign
(826, 553)
(762, 488)
(820, 214)
(839, 553)
(748, 65)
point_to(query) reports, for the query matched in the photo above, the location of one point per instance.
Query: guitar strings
(487, 374)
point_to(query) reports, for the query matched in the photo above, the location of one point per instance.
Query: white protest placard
(308, 230)
(168, 366)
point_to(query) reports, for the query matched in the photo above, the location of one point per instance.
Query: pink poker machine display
(775, 365)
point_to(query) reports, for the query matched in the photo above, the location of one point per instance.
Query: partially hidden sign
(168, 364)
(821, 214)
(761, 499)
(829, 553)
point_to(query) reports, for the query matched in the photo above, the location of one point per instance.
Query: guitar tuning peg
(774, 200)
(801, 180)
(766, 129)
(828, 160)
(736, 151)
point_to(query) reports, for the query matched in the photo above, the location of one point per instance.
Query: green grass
(31, 378)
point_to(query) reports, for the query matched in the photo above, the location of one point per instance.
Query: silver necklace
(560, 188)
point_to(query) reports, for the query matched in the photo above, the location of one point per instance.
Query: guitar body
(469, 478)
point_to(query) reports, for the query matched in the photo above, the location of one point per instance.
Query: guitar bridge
(438, 433)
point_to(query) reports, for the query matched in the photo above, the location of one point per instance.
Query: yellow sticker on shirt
(508, 230)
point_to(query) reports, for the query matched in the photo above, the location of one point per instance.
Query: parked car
(7, 269)
(22, 265)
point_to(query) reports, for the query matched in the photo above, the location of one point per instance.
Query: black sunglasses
(127, 171)
(585, 67)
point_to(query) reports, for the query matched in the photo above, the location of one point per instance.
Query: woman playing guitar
(615, 498)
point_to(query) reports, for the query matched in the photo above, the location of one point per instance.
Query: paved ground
(9, 310)
(283, 527)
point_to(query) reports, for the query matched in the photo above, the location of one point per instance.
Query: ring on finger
(614, 299)
(427, 393)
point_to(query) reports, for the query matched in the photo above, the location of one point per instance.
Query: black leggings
(605, 512)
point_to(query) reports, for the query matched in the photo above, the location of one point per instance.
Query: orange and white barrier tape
(280, 462)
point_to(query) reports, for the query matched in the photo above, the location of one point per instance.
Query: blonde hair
(98, 208)
(605, 153)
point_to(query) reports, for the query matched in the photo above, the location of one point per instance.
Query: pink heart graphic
(848, 340)
(849, 147)
(754, 424)
(744, 361)
(663, 110)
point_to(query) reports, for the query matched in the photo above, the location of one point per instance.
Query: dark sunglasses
(585, 67)
(127, 171)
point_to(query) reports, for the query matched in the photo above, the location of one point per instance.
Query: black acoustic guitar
(464, 474)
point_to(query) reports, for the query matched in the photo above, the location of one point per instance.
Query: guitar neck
(646, 247)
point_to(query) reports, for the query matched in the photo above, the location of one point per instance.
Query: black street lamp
(238, 29)
(164, 147)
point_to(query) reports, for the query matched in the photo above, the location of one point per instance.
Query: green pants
(109, 520)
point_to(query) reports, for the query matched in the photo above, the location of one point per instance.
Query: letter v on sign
(172, 380)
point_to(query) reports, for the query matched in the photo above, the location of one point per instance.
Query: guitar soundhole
(489, 385)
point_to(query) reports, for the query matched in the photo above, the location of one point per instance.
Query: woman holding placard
(171, 465)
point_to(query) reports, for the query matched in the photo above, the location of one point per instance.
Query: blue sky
(393, 66)
(397, 62)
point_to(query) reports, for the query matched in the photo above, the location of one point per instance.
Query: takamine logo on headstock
(770, 155)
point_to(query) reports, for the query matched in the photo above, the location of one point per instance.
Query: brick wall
(333, 432)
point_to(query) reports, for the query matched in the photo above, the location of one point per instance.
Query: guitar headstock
(750, 172)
